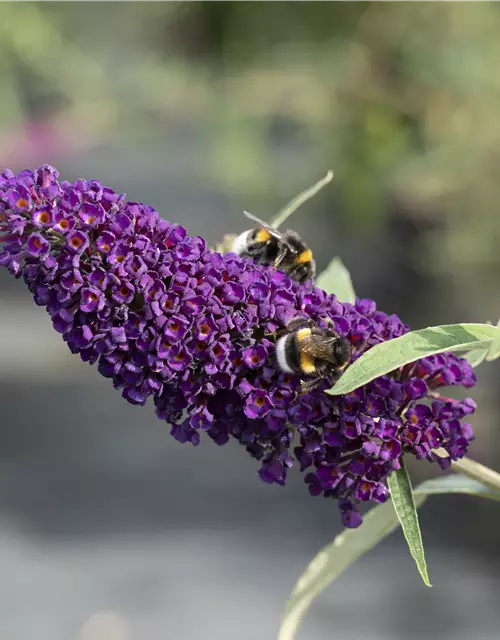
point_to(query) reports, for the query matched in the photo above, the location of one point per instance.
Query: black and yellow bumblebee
(269, 247)
(311, 351)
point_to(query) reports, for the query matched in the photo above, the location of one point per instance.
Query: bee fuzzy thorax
(261, 235)
(285, 251)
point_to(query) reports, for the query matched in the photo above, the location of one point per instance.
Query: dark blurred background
(109, 528)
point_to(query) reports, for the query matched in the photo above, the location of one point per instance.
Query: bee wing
(274, 232)
(317, 349)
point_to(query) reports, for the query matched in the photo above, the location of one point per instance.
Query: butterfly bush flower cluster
(165, 318)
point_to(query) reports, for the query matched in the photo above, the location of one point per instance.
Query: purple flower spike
(164, 317)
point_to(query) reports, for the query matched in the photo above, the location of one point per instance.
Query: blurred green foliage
(400, 99)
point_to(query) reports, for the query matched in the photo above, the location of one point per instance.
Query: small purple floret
(37, 245)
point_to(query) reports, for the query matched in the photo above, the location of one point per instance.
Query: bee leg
(334, 376)
(331, 327)
(272, 334)
(323, 370)
(246, 340)
(330, 324)
(309, 385)
(280, 257)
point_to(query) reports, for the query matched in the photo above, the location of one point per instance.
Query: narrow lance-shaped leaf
(456, 483)
(392, 354)
(491, 352)
(406, 510)
(479, 472)
(285, 213)
(351, 544)
(494, 350)
(476, 356)
(299, 200)
(335, 558)
(337, 279)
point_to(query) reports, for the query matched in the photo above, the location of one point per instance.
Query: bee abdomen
(241, 242)
(287, 354)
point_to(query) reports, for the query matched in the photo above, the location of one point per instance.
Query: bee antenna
(256, 219)
(274, 232)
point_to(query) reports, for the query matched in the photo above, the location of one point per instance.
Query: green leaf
(351, 544)
(335, 558)
(392, 354)
(456, 483)
(337, 279)
(475, 357)
(494, 350)
(225, 245)
(404, 505)
(479, 472)
(299, 200)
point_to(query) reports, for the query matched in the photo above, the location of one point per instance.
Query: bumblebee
(268, 246)
(309, 350)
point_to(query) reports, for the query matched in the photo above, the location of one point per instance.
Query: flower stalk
(475, 470)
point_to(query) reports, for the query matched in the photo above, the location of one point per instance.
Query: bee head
(341, 352)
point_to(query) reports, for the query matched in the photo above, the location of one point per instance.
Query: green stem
(299, 200)
(478, 471)
(474, 470)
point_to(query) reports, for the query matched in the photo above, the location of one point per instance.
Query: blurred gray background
(111, 529)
